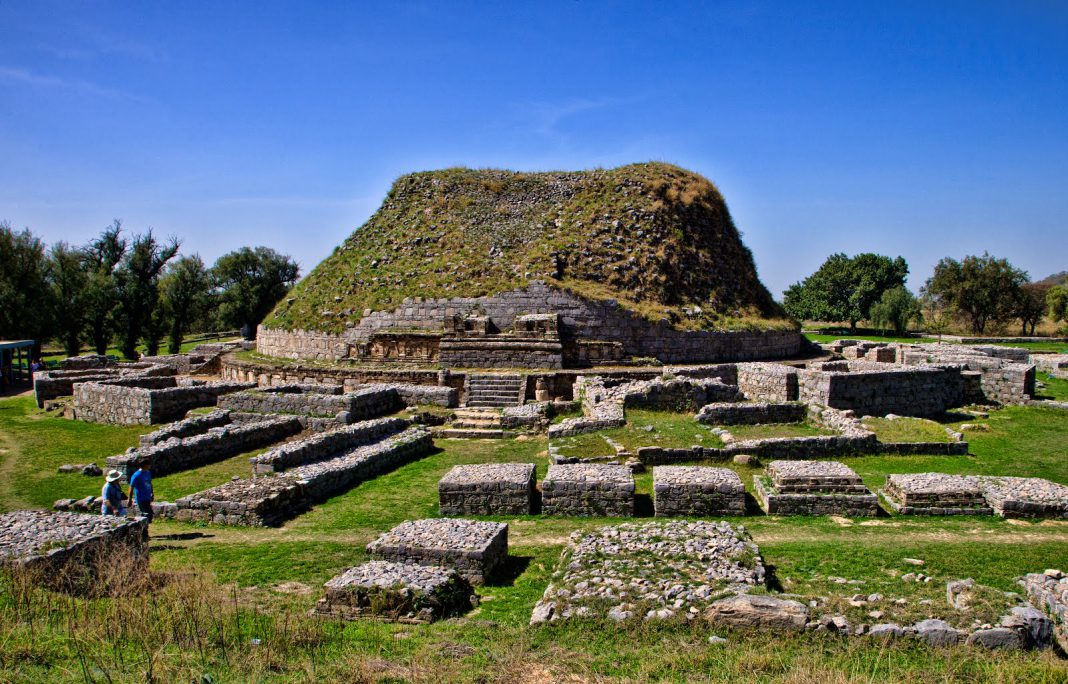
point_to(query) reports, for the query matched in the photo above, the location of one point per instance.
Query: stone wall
(187, 427)
(218, 443)
(579, 319)
(475, 549)
(752, 413)
(122, 402)
(697, 491)
(326, 445)
(487, 489)
(1049, 590)
(366, 402)
(588, 490)
(767, 381)
(920, 391)
(1054, 364)
(60, 383)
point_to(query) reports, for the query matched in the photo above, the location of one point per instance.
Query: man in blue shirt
(141, 490)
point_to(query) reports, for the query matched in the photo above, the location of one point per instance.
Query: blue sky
(925, 129)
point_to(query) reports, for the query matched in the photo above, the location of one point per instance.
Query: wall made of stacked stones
(324, 479)
(123, 402)
(1054, 364)
(767, 381)
(801, 448)
(752, 413)
(675, 394)
(579, 319)
(488, 489)
(475, 353)
(187, 427)
(473, 549)
(775, 503)
(910, 392)
(1049, 591)
(218, 443)
(688, 493)
(326, 445)
(564, 493)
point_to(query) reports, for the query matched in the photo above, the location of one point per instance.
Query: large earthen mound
(655, 238)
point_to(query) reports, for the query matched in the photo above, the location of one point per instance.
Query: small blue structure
(15, 358)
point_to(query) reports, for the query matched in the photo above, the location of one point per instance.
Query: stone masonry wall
(579, 318)
(752, 413)
(366, 402)
(326, 445)
(918, 391)
(767, 381)
(109, 402)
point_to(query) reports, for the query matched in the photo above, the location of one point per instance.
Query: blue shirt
(111, 493)
(141, 484)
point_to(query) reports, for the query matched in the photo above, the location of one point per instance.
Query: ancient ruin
(813, 488)
(401, 592)
(488, 489)
(474, 549)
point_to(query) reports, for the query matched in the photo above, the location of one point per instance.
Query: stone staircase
(475, 423)
(496, 390)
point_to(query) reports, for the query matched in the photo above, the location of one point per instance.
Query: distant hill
(654, 237)
(1055, 279)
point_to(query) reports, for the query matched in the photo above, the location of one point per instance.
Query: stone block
(588, 490)
(697, 491)
(488, 489)
(473, 548)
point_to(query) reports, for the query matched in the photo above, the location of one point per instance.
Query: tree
(25, 299)
(1057, 301)
(103, 256)
(982, 289)
(249, 283)
(1031, 306)
(844, 288)
(68, 276)
(137, 285)
(895, 310)
(186, 291)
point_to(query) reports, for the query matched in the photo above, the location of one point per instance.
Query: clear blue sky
(923, 129)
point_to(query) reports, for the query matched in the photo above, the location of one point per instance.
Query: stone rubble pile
(475, 549)
(655, 570)
(1049, 591)
(401, 592)
(488, 489)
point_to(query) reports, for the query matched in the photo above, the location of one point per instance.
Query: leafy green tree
(1031, 306)
(137, 284)
(103, 256)
(249, 282)
(186, 293)
(67, 273)
(983, 290)
(1057, 301)
(25, 298)
(845, 288)
(895, 310)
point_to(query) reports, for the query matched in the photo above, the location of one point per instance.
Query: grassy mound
(654, 237)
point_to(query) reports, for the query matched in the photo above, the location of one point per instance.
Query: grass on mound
(230, 585)
(907, 430)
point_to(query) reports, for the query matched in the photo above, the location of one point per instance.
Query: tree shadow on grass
(182, 536)
(505, 574)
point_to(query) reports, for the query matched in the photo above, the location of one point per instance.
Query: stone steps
(471, 433)
(495, 390)
(477, 419)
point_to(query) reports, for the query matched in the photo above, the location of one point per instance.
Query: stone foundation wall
(54, 384)
(363, 403)
(921, 391)
(326, 445)
(497, 353)
(188, 427)
(1049, 591)
(588, 490)
(752, 413)
(473, 548)
(1054, 364)
(767, 381)
(218, 443)
(118, 403)
(579, 319)
(697, 491)
(488, 489)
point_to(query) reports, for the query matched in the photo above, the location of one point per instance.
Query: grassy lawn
(772, 430)
(53, 357)
(907, 430)
(1056, 347)
(258, 583)
(1055, 388)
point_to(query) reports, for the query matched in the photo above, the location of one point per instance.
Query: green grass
(264, 580)
(1055, 388)
(907, 430)
(773, 430)
(824, 339)
(53, 356)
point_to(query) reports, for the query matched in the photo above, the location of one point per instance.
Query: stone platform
(1025, 497)
(935, 494)
(588, 490)
(697, 491)
(473, 548)
(813, 488)
(488, 489)
(74, 551)
(401, 592)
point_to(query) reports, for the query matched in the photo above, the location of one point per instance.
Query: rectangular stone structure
(935, 494)
(1025, 497)
(588, 489)
(146, 401)
(752, 413)
(473, 548)
(316, 400)
(813, 488)
(75, 552)
(401, 592)
(488, 489)
(697, 491)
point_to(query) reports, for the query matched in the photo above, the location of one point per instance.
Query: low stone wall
(602, 409)
(326, 445)
(69, 551)
(588, 490)
(1049, 591)
(218, 443)
(1054, 364)
(1002, 380)
(488, 489)
(752, 413)
(85, 362)
(767, 381)
(400, 592)
(813, 488)
(122, 402)
(270, 500)
(675, 394)
(920, 391)
(1025, 497)
(361, 404)
(474, 549)
(187, 427)
(60, 383)
(697, 491)
(801, 448)
(935, 494)
(500, 353)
